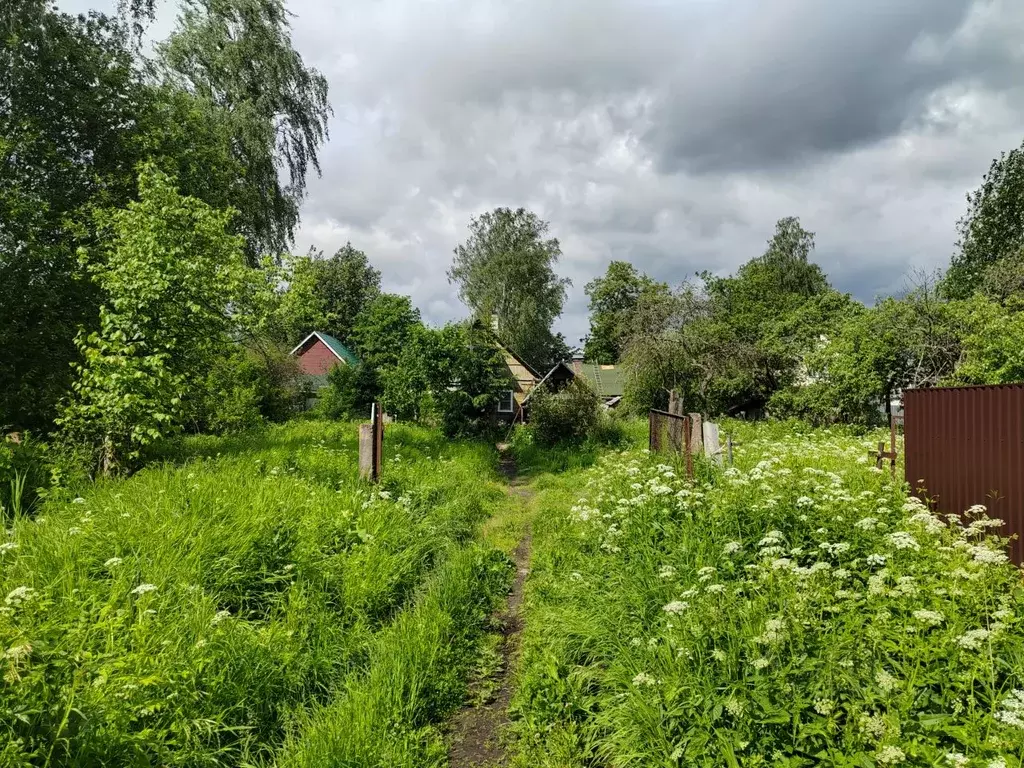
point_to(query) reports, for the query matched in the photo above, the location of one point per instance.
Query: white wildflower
(903, 540)
(866, 524)
(667, 572)
(972, 640)
(760, 663)
(78, 500)
(143, 589)
(643, 679)
(19, 595)
(957, 759)
(824, 706)
(715, 589)
(734, 707)
(8, 546)
(999, 762)
(932, 618)
(705, 573)
(220, 616)
(886, 681)
(675, 607)
(732, 548)
(987, 556)
(113, 561)
(876, 559)
(890, 755)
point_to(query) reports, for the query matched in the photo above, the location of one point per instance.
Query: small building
(523, 378)
(318, 353)
(607, 381)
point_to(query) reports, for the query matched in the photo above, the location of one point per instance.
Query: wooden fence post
(728, 440)
(688, 426)
(371, 446)
(696, 433)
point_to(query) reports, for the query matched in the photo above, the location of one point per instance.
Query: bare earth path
(476, 730)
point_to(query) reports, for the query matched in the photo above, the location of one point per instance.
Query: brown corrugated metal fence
(965, 446)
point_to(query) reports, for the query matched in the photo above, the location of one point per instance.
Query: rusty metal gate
(965, 446)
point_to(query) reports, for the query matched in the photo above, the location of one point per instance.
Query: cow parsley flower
(957, 759)
(890, 755)
(760, 663)
(715, 589)
(876, 559)
(987, 556)
(973, 639)
(143, 589)
(731, 548)
(867, 524)
(19, 595)
(932, 618)
(8, 546)
(643, 679)
(886, 681)
(666, 572)
(824, 706)
(903, 540)
(705, 573)
(675, 607)
(1012, 712)
(113, 561)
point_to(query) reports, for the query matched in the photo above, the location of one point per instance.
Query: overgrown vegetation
(203, 610)
(797, 610)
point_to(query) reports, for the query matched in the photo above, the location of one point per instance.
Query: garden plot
(797, 610)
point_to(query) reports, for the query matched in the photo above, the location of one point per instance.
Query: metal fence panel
(965, 446)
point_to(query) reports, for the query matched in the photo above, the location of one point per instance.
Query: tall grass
(797, 610)
(192, 614)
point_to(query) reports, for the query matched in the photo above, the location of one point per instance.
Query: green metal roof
(606, 380)
(338, 348)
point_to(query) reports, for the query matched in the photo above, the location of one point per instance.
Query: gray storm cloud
(672, 134)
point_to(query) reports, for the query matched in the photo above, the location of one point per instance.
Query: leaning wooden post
(881, 453)
(650, 431)
(892, 446)
(696, 433)
(728, 442)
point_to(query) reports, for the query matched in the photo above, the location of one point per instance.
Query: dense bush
(569, 416)
(349, 392)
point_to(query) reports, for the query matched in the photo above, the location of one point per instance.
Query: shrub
(349, 392)
(569, 416)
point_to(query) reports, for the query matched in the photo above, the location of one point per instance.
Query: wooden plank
(712, 446)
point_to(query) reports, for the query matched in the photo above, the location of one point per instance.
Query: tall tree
(328, 294)
(169, 274)
(505, 272)
(993, 227)
(238, 55)
(614, 299)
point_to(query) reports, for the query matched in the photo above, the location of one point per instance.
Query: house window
(506, 402)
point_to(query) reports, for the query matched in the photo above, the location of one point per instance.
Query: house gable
(319, 352)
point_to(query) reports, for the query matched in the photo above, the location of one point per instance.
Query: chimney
(577, 363)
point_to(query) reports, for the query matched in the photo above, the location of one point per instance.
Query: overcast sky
(670, 134)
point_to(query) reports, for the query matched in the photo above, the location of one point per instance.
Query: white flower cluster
(1012, 710)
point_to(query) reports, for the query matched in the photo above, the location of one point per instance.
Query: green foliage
(237, 55)
(797, 610)
(993, 227)
(328, 294)
(383, 328)
(244, 387)
(614, 300)
(992, 343)
(569, 416)
(349, 393)
(168, 275)
(505, 271)
(198, 612)
(83, 112)
(69, 96)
